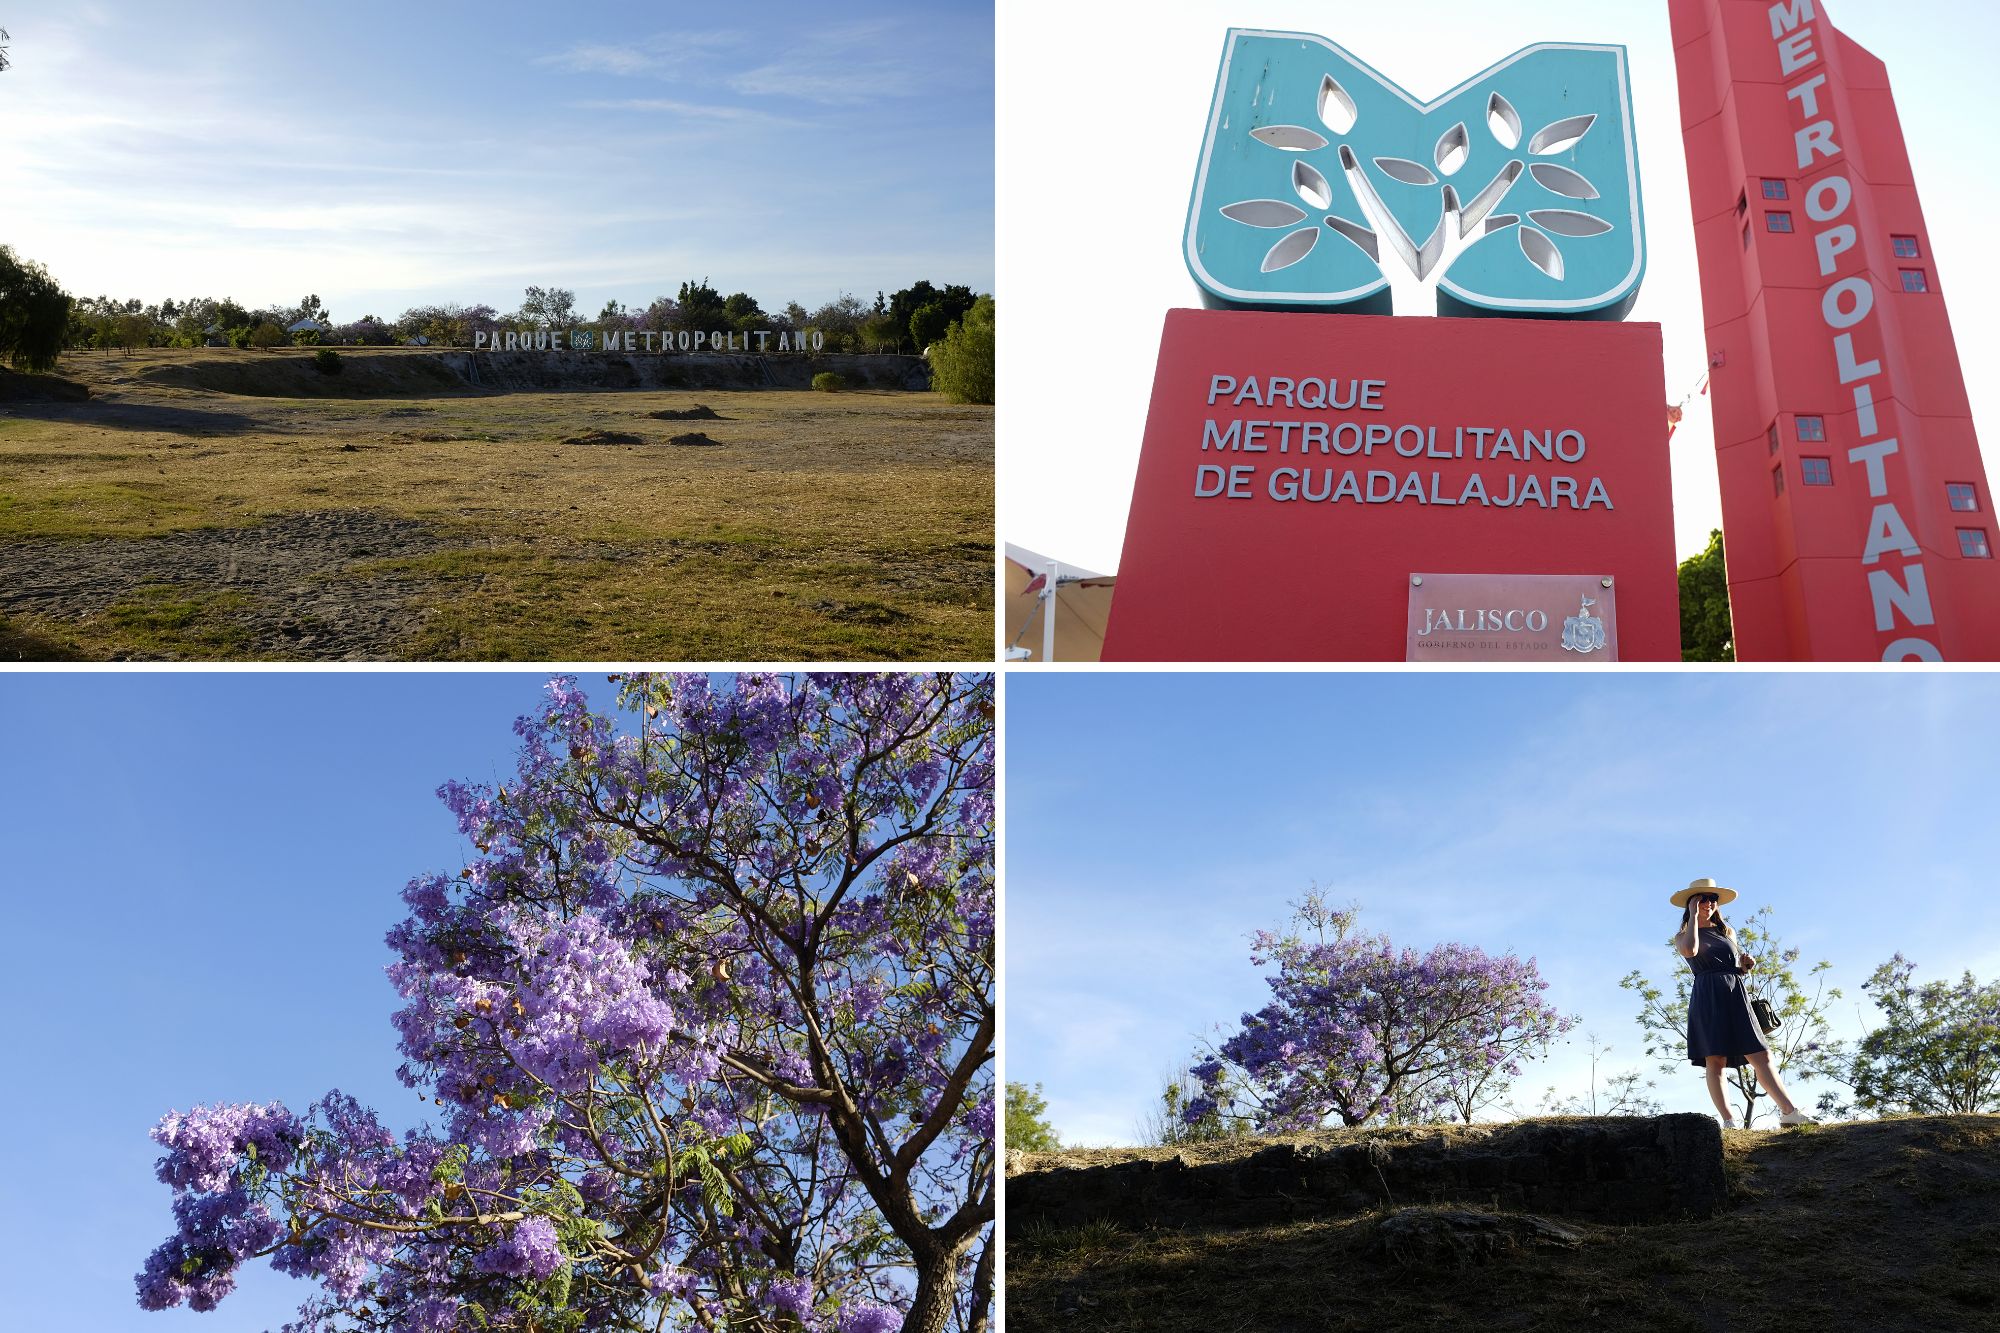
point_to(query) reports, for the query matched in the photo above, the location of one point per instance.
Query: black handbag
(1767, 1017)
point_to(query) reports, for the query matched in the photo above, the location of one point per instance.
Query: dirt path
(277, 588)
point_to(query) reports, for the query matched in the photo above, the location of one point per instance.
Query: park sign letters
(648, 340)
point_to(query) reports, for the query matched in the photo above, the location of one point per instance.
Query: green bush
(962, 366)
(326, 361)
(828, 382)
(266, 334)
(240, 337)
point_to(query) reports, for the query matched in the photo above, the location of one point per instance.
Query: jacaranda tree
(1360, 1031)
(710, 1020)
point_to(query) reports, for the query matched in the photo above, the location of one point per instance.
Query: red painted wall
(1869, 567)
(1256, 578)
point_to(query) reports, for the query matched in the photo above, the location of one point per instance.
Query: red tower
(1857, 522)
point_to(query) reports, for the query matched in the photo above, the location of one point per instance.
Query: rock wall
(1613, 1169)
(546, 371)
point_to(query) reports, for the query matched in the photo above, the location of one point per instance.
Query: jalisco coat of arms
(1517, 193)
(1583, 632)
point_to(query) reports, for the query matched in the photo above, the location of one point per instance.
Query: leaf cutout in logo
(1504, 121)
(1453, 149)
(1561, 136)
(1291, 138)
(1542, 253)
(1563, 181)
(1336, 108)
(1489, 198)
(1312, 186)
(1370, 243)
(1500, 222)
(1291, 250)
(1406, 171)
(1264, 213)
(1563, 222)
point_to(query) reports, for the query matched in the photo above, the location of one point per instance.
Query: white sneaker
(1796, 1117)
(1728, 1123)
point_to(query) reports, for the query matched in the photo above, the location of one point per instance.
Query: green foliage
(266, 334)
(702, 307)
(954, 301)
(326, 361)
(240, 337)
(1937, 1051)
(879, 331)
(1705, 628)
(1802, 1040)
(1027, 1123)
(828, 382)
(743, 312)
(962, 366)
(929, 324)
(34, 314)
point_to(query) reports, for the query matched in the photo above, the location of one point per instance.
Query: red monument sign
(1857, 522)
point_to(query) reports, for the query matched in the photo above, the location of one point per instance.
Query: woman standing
(1722, 1028)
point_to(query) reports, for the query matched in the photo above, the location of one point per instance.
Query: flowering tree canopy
(1362, 1031)
(710, 1017)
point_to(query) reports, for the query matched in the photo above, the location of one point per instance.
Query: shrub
(239, 337)
(828, 382)
(266, 334)
(962, 365)
(326, 361)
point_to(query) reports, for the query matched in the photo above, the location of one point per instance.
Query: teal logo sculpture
(1517, 193)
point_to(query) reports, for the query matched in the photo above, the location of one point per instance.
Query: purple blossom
(529, 1248)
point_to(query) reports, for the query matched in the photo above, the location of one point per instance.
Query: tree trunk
(937, 1287)
(982, 1287)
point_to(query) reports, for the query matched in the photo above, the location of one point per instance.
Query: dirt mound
(604, 437)
(290, 374)
(693, 438)
(16, 387)
(695, 413)
(1884, 1225)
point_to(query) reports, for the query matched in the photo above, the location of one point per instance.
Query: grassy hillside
(1881, 1225)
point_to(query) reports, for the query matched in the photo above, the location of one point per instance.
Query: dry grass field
(1872, 1226)
(182, 512)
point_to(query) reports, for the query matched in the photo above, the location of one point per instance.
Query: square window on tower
(1812, 428)
(1962, 496)
(1915, 280)
(1778, 480)
(1905, 247)
(1776, 190)
(1778, 221)
(1972, 544)
(1816, 471)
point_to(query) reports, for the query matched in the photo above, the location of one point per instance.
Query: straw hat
(1704, 885)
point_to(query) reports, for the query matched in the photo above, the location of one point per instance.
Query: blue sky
(1103, 211)
(200, 870)
(1154, 820)
(385, 155)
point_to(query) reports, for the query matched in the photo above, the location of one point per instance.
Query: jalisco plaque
(1517, 618)
(1302, 461)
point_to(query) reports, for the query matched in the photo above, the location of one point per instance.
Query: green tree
(744, 313)
(266, 334)
(702, 307)
(34, 314)
(962, 365)
(1937, 1051)
(548, 307)
(954, 300)
(1705, 629)
(880, 331)
(1802, 1041)
(1028, 1127)
(929, 324)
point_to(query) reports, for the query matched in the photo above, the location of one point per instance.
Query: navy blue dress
(1720, 1021)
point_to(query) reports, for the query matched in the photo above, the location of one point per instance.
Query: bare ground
(159, 520)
